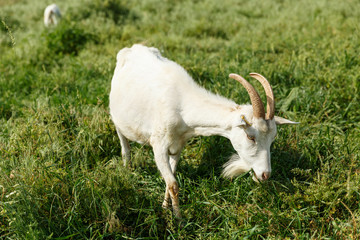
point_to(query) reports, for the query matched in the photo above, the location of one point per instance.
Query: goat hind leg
(125, 147)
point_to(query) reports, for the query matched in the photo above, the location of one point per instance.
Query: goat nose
(265, 176)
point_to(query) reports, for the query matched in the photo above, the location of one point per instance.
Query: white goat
(154, 101)
(52, 15)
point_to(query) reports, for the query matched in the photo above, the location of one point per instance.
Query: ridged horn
(270, 100)
(257, 104)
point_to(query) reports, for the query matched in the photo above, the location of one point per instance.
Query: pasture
(61, 173)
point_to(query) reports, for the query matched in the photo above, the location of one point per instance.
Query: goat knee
(173, 189)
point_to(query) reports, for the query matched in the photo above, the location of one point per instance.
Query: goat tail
(122, 56)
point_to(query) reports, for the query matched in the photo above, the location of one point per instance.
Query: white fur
(234, 167)
(154, 101)
(52, 15)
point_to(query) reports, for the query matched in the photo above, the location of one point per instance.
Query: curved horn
(257, 104)
(270, 100)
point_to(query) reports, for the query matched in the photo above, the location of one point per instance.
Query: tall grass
(61, 175)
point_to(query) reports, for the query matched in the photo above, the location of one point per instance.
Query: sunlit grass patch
(61, 173)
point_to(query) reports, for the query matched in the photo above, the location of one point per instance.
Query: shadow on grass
(216, 153)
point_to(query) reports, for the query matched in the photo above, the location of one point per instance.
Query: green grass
(61, 175)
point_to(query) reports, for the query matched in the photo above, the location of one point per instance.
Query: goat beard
(234, 167)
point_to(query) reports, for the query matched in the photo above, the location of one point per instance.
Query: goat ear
(283, 121)
(242, 122)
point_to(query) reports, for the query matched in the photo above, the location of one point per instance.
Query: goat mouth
(254, 177)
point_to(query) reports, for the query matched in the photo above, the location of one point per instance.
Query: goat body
(154, 101)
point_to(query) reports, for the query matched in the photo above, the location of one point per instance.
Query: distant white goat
(154, 101)
(52, 15)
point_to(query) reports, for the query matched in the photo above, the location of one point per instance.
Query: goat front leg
(172, 187)
(174, 159)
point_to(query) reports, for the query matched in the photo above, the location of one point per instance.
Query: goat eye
(251, 138)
